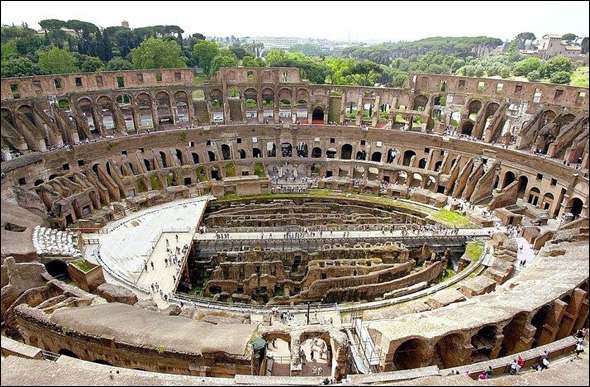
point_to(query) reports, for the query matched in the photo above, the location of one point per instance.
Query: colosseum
(260, 229)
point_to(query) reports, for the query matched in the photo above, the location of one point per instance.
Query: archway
(392, 155)
(448, 351)
(538, 321)
(483, 343)
(318, 115)
(577, 205)
(286, 149)
(67, 352)
(58, 270)
(225, 152)
(467, 128)
(512, 332)
(316, 153)
(316, 353)
(509, 178)
(408, 157)
(361, 155)
(410, 354)
(534, 195)
(523, 181)
(211, 155)
(346, 152)
(422, 163)
(376, 157)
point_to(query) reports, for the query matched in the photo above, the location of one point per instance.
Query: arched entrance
(318, 115)
(576, 205)
(58, 270)
(410, 354)
(448, 351)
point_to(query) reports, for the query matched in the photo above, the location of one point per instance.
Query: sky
(344, 21)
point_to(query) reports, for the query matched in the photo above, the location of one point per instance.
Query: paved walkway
(479, 232)
(165, 264)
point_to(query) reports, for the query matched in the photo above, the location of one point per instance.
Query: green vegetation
(155, 53)
(473, 250)
(451, 219)
(259, 170)
(82, 265)
(75, 45)
(160, 350)
(140, 186)
(580, 77)
(201, 174)
(230, 170)
(155, 183)
(183, 135)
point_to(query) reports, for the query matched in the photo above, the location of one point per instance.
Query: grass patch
(82, 265)
(155, 183)
(199, 78)
(451, 219)
(230, 170)
(259, 170)
(201, 174)
(579, 79)
(473, 250)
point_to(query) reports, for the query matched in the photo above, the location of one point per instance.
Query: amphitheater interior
(256, 228)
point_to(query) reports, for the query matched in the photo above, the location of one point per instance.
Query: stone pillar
(376, 111)
(191, 111)
(343, 108)
(551, 326)
(136, 117)
(359, 109)
(155, 119)
(571, 313)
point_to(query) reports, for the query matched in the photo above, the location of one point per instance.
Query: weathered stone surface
(116, 293)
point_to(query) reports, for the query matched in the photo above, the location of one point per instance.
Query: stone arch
(67, 352)
(512, 332)
(285, 97)
(534, 196)
(107, 111)
(165, 163)
(27, 110)
(422, 163)
(538, 321)
(467, 128)
(509, 178)
(181, 106)
(38, 182)
(402, 178)
(85, 106)
(147, 165)
(449, 351)
(250, 99)
(8, 116)
(346, 152)
(361, 155)
(211, 155)
(416, 180)
(412, 353)
(392, 155)
(420, 103)
(179, 156)
(473, 108)
(316, 153)
(164, 107)
(268, 97)
(226, 152)
(57, 269)
(216, 97)
(483, 343)
(215, 173)
(286, 149)
(523, 182)
(408, 157)
(256, 153)
(124, 101)
(376, 157)
(547, 117)
(318, 114)
(242, 153)
(577, 205)
(144, 107)
(438, 166)
(302, 150)
(63, 104)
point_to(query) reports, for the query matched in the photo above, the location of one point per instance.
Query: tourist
(520, 363)
(312, 355)
(544, 364)
(514, 367)
(489, 372)
(580, 347)
(152, 263)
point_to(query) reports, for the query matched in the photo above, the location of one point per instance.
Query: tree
(275, 56)
(92, 64)
(526, 36)
(204, 52)
(555, 64)
(584, 45)
(18, 67)
(56, 61)
(250, 61)
(363, 73)
(238, 51)
(155, 53)
(561, 77)
(569, 37)
(8, 50)
(527, 65)
(225, 58)
(534, 76)
(118, 63)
